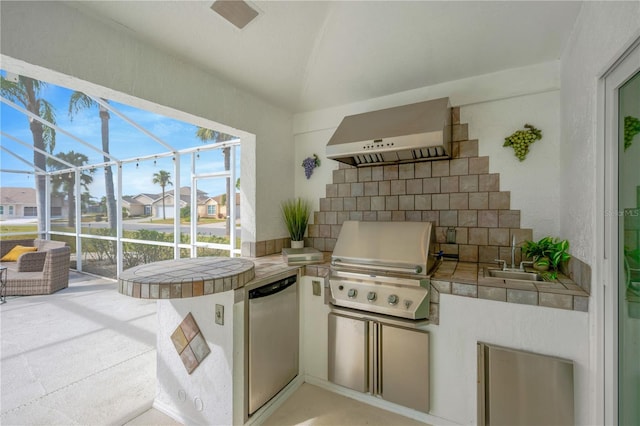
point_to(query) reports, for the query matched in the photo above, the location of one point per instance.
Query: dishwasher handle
(272, 288)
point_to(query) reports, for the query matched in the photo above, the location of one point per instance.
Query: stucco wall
(535, 182)
(206, 396)
(464, 321)
(58, 43)
(601, 32)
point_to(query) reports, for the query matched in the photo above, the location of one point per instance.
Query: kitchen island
(463, 312)
(201, 332)
(183, 278)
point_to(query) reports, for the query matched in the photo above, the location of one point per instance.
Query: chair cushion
(15, 253)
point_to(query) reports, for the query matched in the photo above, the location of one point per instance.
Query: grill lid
(395, 247)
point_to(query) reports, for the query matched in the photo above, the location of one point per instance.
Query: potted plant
(547, 255)
(295, 213)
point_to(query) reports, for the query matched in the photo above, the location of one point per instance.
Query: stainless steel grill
(383, 267)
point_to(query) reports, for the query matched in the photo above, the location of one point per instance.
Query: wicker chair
(41, 272)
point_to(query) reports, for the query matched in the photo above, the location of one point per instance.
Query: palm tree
(27, 91)
(163, 178)
(78, 102)
(85, 200)
(67, 181)
(208, 135)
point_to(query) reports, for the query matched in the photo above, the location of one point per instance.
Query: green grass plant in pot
(295, 213)
(547, 255)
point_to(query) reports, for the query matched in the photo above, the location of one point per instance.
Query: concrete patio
(84, 355)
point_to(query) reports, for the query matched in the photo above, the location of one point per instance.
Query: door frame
(626, 66)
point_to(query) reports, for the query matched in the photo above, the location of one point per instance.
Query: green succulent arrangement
(295, 213)
(547, 255)
(521, 139)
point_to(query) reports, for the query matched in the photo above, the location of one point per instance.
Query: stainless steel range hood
(409, 133)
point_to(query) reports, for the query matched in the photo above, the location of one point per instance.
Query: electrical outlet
(317, 291)
(219, 314)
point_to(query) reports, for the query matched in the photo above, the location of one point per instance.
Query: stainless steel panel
(386, 319)
(393, 134)
(482, 419)
(404, 366)
(348, 352)
(522, 388)
(273, 344)
(412, 301)
(370, 355)
(400, 246)
(373, 357)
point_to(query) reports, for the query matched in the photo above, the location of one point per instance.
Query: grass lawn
(10, 229)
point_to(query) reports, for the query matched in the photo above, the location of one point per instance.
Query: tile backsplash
(458, 194)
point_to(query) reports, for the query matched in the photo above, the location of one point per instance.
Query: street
(216, 229)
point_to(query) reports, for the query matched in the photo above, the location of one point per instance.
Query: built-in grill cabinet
(383, 267)
(383, 359)
(380, 285)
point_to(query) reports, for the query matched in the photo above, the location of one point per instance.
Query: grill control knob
(371, 296)
(352, 293)
(393, 299)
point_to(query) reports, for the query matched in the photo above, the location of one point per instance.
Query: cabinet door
(404, 367)
(523, 388)
(348, 354)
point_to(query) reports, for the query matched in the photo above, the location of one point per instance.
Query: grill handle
(417, 269)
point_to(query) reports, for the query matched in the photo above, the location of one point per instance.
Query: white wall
(494, 105)
(535, 182)
(57, 43)
(601, 32)
(314, 329)
(206, 395)
(465, 321)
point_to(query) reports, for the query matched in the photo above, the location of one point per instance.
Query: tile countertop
(458, 279)
(467, 279)
(275, 263)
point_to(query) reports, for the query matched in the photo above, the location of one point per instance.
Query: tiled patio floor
(84, 355)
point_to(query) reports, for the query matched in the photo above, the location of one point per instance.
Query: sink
(512, 275)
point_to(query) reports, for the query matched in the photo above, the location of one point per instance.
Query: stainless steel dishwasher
(273, 334)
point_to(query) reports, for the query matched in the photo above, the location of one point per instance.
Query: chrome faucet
(513, 252)
(513, 259)
(525, 262)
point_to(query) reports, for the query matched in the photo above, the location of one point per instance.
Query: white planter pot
(297, 244)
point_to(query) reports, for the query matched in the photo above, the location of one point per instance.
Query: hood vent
(405, 134)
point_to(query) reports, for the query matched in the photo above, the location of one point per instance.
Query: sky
(125, 142)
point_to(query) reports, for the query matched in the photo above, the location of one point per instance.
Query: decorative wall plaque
(190, 343)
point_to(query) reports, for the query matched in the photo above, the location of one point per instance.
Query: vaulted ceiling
(307, 55)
